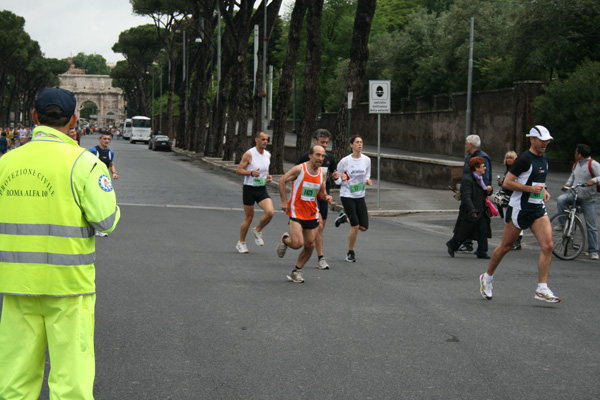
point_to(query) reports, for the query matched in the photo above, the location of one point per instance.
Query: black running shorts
(254, 194)
(523, 219)
(307, 224)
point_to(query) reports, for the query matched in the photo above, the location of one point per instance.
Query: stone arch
(99, 90)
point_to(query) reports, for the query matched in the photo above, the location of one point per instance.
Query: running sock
(542, 286)
(488, 278)
(319, 258)
(351, 252)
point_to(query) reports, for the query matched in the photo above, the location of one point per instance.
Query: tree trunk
(285, 87)
(312, 70)
(214, 142)
(359, 55)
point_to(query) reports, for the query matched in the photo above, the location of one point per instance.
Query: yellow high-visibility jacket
(53, 195)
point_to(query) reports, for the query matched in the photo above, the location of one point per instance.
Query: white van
(126, 129)
(141, 129)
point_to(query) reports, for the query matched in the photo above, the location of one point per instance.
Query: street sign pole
(378, 159)
(379, 102)
(350, 96)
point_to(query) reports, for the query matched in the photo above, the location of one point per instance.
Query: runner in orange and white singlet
(308, 183)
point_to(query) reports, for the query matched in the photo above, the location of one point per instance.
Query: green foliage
(552, 37)
(140, 45)
(23, 69)
(94, 64)
(88, 109)
(570, 109)
(394, 14)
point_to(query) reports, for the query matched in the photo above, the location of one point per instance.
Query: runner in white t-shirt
(355, 174)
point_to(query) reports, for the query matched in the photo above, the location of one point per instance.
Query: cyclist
(527, 179)
(586, 170)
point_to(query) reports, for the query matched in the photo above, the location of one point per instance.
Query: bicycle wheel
(567, 246)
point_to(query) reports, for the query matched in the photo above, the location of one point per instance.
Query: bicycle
(568, 231)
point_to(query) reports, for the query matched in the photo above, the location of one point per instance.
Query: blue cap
(58, 97)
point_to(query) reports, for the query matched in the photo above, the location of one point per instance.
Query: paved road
(181, 315)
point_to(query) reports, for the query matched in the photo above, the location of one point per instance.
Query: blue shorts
(523, 219)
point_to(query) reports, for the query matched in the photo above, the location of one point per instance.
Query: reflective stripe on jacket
(53, 195)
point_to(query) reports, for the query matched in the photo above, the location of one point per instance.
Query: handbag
(490, 209)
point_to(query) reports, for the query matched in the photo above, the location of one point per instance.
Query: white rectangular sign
(380, 97)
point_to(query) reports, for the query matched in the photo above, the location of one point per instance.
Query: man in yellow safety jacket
(53, 196)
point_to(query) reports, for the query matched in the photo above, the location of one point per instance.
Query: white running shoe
(546, 295)
(282, 247)
(101, 234)
(241, 247)
(594, 256)
(485, 288)
(322, 264)
(257, 237)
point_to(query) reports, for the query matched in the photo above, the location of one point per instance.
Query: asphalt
(386, 198)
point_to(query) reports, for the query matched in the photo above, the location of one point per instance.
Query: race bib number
(309, 191)
(537, 197)
(260, 181)
(359, 187)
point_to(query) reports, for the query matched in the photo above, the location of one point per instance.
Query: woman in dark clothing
(473, 222)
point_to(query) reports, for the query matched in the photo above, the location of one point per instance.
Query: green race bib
(260, 181)
(359, 187)
(309, 191)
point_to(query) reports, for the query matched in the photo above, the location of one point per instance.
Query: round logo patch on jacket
(105, 183)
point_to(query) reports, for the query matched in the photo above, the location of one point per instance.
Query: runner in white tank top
(254, 167)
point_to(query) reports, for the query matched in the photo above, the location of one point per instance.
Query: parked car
(158, 142)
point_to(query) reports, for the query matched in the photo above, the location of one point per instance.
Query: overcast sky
(64, 28)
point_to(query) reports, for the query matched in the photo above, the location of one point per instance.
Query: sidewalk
(394, 198)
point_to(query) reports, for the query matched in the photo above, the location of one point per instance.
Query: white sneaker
(485, 288)
(257, 237)
(322, 264)
(546, 295)
(101, 234)
(241, 247)
(594, 256)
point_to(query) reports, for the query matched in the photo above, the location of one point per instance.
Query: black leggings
(356, 210)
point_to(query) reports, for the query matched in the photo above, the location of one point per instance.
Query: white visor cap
(540, 132)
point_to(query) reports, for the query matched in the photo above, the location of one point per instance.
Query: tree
(311, 73)
(140, 47)
(167, 16)
(570, 109)
(272, 19)
(94, 64)
(285, 86)
(123, 77)
(13, 39)
(23, 69)
(359, 55)
(239, 21)
(552, 37)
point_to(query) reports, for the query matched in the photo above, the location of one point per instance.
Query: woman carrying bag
(473, 221)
